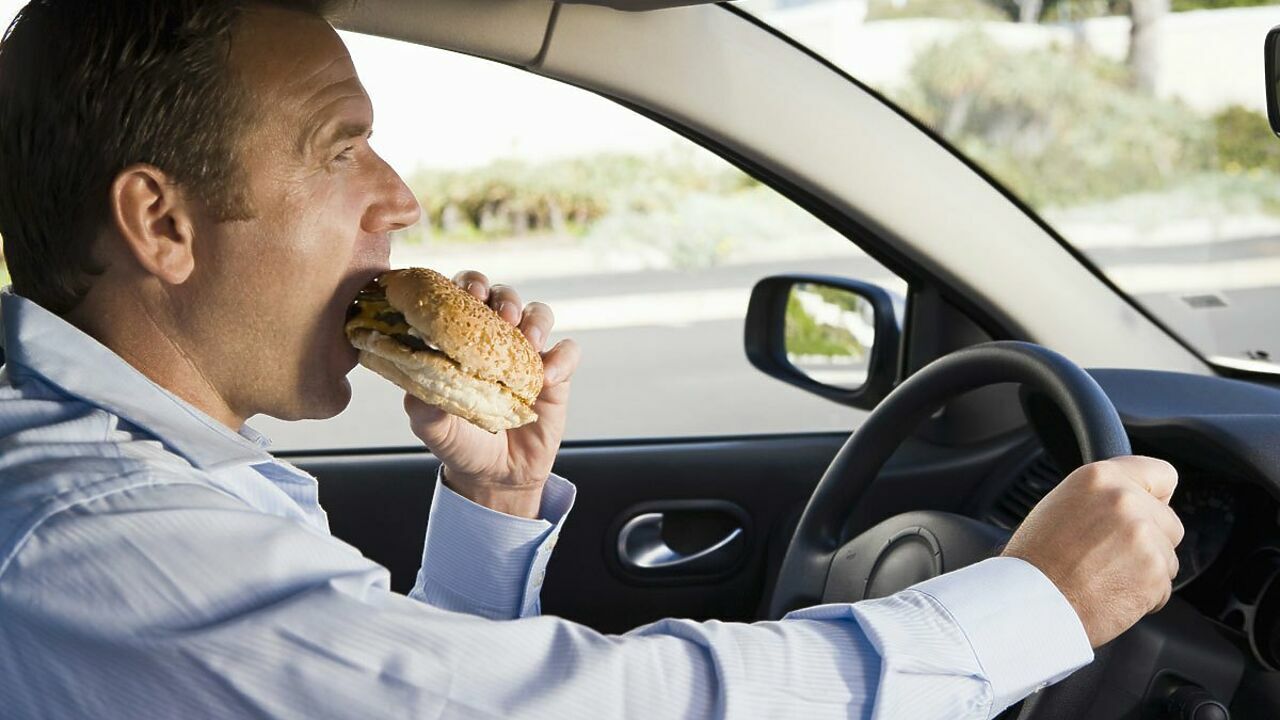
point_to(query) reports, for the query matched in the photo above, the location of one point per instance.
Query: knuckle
(1160, 570)
(1119, 500)
(1179, 530)
(1094, 477)
(1166, 591)
(1155, 556)
(466, 276)
(1138, 535)
(541, 309)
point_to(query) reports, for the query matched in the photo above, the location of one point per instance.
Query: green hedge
(805, 336)
(568, 196)
(1244, 140)
(1181, 5)
(1050, 11)
(955, 9)
(1059, 125)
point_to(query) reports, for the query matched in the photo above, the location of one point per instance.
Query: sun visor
(638, 5)
(507, 30)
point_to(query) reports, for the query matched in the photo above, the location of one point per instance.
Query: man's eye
(346, 154)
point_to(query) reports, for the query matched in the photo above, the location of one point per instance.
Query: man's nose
(394, 205)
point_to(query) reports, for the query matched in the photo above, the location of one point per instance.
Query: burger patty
(415, 343)
(377, 314)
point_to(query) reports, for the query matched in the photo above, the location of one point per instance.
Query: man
(189, 201)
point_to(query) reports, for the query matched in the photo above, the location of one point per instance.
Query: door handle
(641, 547)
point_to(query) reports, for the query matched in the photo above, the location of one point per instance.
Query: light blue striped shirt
(154, 564)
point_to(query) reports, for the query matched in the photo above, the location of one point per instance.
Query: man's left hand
(504, 471)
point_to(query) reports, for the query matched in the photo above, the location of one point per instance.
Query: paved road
(663, 378)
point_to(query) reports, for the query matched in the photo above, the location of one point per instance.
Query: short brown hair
(89, 87)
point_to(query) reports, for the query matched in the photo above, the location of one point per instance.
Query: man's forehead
(291, 56)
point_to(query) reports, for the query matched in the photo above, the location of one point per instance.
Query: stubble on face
(267, 301)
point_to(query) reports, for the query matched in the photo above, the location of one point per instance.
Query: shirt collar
(38, 342)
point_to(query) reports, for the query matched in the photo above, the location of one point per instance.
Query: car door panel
(379, 502)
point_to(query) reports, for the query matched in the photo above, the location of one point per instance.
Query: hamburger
(440, 344)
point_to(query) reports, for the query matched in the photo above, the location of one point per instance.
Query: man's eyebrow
(327, 135)
(348, 130)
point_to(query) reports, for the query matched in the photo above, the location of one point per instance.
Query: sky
(438, 109)
(444, 109)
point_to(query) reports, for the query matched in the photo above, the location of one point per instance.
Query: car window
(644, 244)
(1137, 129)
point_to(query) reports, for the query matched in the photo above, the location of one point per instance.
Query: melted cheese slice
(367, 317)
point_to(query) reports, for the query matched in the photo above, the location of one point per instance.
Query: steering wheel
(834, 557)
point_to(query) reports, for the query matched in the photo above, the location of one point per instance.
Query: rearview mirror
(834, 337)
(1271, 60)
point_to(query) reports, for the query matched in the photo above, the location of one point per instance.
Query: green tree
(803, 335)
(1058, 126)
(1244, 140)
(1181, 5)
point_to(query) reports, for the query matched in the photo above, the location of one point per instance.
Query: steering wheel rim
(831, 517)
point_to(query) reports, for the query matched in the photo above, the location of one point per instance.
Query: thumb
(428, 422)
(1154, 475)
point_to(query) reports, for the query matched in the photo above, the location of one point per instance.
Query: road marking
(662, 309)
(672, 309)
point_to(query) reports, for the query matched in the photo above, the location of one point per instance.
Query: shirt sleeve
(187, 602)
(969, 643)
(487, 563)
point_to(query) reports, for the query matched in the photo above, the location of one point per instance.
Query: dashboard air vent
(1036, 479)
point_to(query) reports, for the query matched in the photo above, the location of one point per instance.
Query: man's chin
(335, 402)
(319, 403)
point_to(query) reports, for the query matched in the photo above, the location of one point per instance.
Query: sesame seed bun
(437, 381)
(465, 329)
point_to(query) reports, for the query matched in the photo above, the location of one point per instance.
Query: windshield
(1136, 129)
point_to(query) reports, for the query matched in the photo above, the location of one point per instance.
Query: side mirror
(834, 337)
(1271, 60)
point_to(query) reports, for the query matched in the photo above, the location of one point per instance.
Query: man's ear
(154, 219)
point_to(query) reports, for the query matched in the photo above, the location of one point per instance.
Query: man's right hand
(1106, 537)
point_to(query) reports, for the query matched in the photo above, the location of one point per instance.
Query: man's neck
(146, 337)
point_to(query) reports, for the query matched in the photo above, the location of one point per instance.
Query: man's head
(191, 182)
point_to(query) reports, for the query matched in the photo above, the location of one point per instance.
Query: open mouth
(371, 293)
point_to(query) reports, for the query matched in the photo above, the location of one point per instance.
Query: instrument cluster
(1230, 558)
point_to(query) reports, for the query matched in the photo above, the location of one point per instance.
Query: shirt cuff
(1023, 632)
(484, 562)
